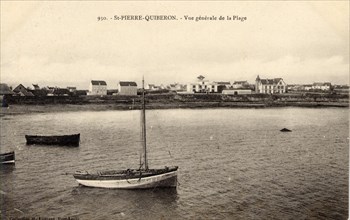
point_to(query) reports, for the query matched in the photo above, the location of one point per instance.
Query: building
(238, 91)
(81, 92)
(61, 92)
(36, 87)
(322, 86)
(152, 87)
(72, 88)
(296, 88)
(341, 89)
(222, 85)
(202, 86)
(5, 90)
(127, 88)
(177, 87)
(162, 86)
(22, 91)
(240, 84)
(97, 87)
(307, 87)
(270, 86)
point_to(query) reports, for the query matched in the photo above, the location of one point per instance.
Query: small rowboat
(62, 140)
(7, 158)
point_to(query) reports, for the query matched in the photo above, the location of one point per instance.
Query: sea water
(233, 164)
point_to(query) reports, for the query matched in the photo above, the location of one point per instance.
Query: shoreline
(19, 109)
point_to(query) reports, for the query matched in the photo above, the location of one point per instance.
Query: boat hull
(162, 180)
(62, 140)
(7, 158)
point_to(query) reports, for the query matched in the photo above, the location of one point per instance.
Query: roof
(200, 77)
(270, 81)
(223, 83)
(98, 83)
(19, 88)
(240, 82)
(5, 90)
(322, 84)
(341, 87)
(127, 83)
(60, 91)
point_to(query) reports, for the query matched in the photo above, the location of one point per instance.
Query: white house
(177, 87)
(127, 88)
(152, 87)
(270, 86)
(97, 87)
(322, 86)
(202, 86)
(307, 87)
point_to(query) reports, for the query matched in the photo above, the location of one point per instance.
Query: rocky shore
(23, 105)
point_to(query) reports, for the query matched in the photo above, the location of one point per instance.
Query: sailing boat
(141, 178)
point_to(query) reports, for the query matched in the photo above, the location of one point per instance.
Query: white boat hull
(162, 180)
(8, 162)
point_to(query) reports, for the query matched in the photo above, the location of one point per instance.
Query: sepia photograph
(174, 110)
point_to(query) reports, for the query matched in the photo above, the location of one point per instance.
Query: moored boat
(285, 130)
(7, 158)
(129, 179)
(141, 178)
(63, 140)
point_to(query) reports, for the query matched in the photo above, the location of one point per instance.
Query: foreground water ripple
(234, 164)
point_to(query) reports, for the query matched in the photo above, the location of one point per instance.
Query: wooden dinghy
(62, 140)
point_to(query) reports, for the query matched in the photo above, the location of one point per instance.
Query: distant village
(199, 85)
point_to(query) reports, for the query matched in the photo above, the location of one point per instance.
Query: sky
(63, 44)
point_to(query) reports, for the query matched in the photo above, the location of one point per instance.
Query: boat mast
(143, 119)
